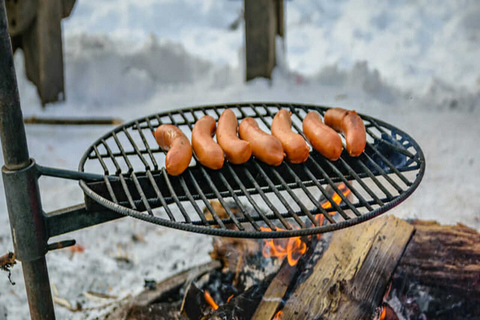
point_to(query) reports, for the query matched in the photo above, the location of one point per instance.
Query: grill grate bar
(334, 187)
(102, 163)
(127, 192)
(118, 169)
(360, 181)
(312, 198)
(110, 189)
(221, 200)
(141, 193)
(404, 151)
(349, 186)
(384, 174)
(295, 198)
(207, 203)
(280, 197)
(193, 202)
(265, 198)
(251, 200)
(325, 193)
(238, 202)
(390, 165)
(147, 147)
(137, 151)
(175, 197)
(122, 151)
(160, 196)
(375, 180)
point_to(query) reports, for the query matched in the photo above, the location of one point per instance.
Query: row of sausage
(251, 139)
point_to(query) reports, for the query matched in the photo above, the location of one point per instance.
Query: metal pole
(21, 186)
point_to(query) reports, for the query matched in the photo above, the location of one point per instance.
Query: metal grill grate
(259, 201)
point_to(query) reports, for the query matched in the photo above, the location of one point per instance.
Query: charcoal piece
(243, 306)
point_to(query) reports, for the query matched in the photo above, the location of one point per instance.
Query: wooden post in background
(36, 27)
(264, 20)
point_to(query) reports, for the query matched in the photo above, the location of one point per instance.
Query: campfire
(356, 273)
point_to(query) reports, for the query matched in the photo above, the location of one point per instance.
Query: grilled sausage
(334, 117)
(265, 147)
(355, 133)
(322, 138)
(295, 147)
(352, 126)
(172, 139)
(237, 151)
(208, 152)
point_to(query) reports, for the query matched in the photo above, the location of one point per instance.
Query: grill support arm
(21, 187)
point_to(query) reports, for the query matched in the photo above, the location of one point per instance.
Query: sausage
(237, 151)
(355, 133)
(295, 147)
(352, 126)
(172, 139)
(334, 118)
(322, 138)
(208, 152)
(265, 147)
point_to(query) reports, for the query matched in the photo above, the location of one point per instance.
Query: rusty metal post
(20, 178)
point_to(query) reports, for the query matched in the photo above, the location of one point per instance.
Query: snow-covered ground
(413, 64)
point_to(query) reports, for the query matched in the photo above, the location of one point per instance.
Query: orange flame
(293, 248)
(210, 300)
(383, 314)
(278, 315)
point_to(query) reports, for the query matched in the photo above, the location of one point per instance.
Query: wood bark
(446, 257)
(350, 279)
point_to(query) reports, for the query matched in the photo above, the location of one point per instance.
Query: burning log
(349, 280)
(275, 292)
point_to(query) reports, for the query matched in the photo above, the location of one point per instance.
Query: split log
(446, 257)
(275, 292)
(350, 279)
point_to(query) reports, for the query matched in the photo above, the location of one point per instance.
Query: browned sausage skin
(237, 151)
(352, 126)
(355, 133)
(265, 147)
(172, 139)
(322, 138)
(295, 147)
(208, 152)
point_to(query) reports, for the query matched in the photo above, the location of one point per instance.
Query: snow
(412, 64)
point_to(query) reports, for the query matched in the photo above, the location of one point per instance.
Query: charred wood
(445, 257)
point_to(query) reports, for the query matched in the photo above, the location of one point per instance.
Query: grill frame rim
(209, 230)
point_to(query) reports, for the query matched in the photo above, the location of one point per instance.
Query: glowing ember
(278, 316)
(383, 314)
(210, 300)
